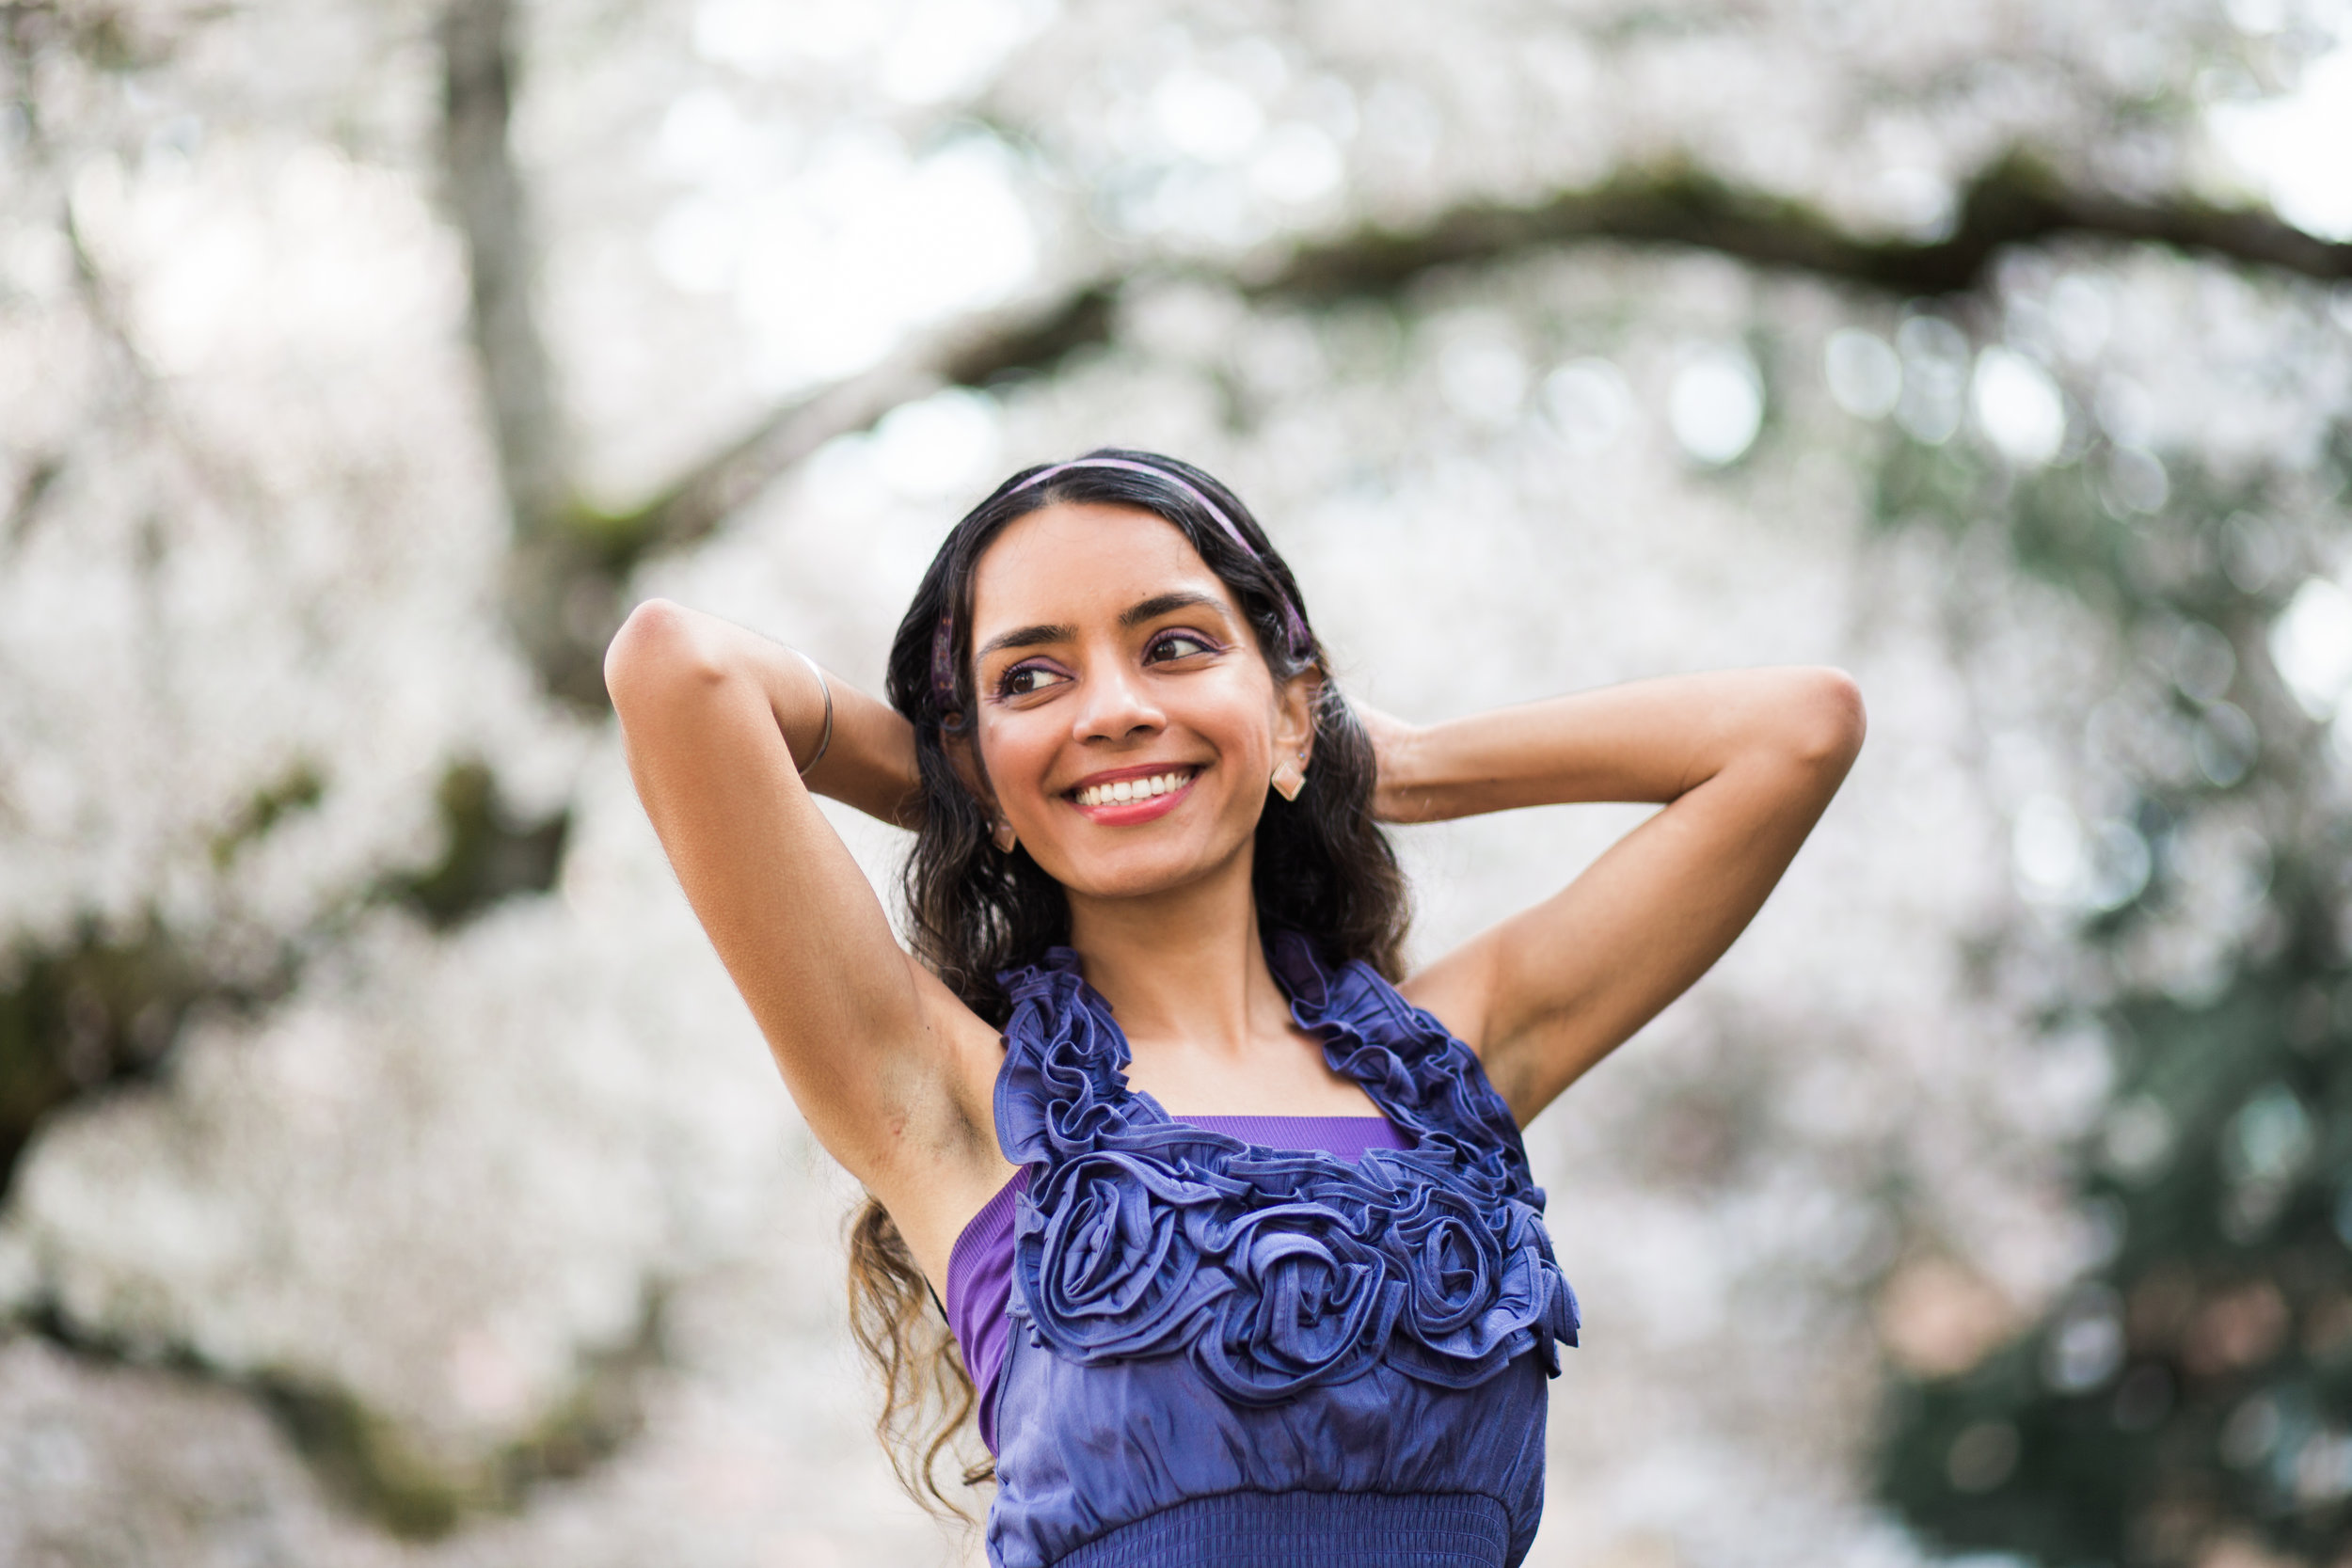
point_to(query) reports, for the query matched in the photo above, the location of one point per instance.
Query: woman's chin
(1137, 871)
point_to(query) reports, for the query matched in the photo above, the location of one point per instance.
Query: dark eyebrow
(1135, 615)
(1026, 637)
(1160, 604)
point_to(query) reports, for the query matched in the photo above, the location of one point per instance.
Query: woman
(1237, 1238)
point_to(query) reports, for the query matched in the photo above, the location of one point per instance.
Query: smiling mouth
(1124, 791)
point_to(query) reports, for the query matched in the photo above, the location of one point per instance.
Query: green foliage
(413, 1489)
(375, 1469)
(299, 790)
(92, 1012)
(2196, 1384)
(2201, 1380)
(486, 855)
(102, 1008)
(365, 1462)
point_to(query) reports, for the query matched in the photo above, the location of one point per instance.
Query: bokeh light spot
(1866, 376)
(2018, 407)
(1589, 403)
(1716, 406)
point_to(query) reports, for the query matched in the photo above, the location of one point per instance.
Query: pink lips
(1127, 813)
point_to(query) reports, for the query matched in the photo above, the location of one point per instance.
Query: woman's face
(1126, 718)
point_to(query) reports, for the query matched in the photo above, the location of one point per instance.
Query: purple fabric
(979, 1266)
(1195, 1317)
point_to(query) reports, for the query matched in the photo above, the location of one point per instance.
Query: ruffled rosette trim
(1275, 1270)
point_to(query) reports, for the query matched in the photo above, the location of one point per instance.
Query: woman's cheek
(1017, 775)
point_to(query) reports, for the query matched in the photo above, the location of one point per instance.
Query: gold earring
(1004, 837)
(1291, 778)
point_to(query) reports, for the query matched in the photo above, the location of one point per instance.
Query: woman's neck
(1183, 968)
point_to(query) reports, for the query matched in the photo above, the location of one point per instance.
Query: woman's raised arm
(1744, 762)
(877, 1055)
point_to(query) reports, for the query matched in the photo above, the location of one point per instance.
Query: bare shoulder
(1454, 990)
(891, 1070)
(933, 1172)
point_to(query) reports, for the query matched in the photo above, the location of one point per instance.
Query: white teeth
(1131, 789)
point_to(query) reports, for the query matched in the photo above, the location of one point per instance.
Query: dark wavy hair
(1322, 867)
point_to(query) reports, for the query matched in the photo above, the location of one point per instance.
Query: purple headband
(943, 636)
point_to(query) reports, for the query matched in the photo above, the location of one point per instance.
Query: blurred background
(388, 1174)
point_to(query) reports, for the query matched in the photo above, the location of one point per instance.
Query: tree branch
(566, 582)
(2014, 201)
(554, 604)
(484, 193)
(969, 354)
(377, 1471)
(97, 1010)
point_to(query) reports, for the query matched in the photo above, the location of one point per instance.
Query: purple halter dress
(1204, 1351)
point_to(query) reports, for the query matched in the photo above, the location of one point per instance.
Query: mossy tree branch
(2014, 201)
(97, 1012)
(375, 1470)
(487, 196)
(101, 1009)
(969, 354)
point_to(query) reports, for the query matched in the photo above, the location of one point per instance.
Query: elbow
(1826, 721)
(658, 653)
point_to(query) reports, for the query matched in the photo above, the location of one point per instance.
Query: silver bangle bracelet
(824, 740)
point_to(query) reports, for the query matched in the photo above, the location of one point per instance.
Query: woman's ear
(1295, 731)
(960, 756)
(966, 762)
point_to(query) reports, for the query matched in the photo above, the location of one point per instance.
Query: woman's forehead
(1073, 562)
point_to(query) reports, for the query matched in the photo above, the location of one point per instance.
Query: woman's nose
(1117, 704)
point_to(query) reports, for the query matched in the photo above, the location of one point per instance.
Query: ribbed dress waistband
(1330, 1530)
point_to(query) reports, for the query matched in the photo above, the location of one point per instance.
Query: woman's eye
(1024, 679)
(1181, 644)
